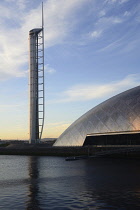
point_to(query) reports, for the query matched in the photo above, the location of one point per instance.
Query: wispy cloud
(95, 34)
(116, 1)
(121, 46)
(59, 127)
(56, 124)
(102, 13)
(49, 69)
(61, 19)
(87, 92)
(114, 25)
(123, 1)
(16, 25)
(104, 23)
(112, 45)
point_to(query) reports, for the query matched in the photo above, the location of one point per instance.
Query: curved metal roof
(117, 114)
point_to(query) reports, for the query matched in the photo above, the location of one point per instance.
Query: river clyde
(33, 182)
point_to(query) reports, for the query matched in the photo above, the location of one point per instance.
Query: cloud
(102, 13)
(121, 46)
(49, 70)
(15, 26)
(61, 21)
(96, 34)
(126, 14)
(116, 1)
(87, 92)
(110, 21)
(104, 24)
(58, 17)
(59, 127)
(133, 44)
(21, 4)
(123, 1)
(113, 45)
(56, 124)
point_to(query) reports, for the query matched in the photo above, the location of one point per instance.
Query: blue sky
(91, 53)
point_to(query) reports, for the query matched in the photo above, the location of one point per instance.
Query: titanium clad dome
(117, 114)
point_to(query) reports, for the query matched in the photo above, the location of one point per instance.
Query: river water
(52, 183)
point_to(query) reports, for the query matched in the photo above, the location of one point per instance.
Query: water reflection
(85, 184)
(33, 202)
(113, 184)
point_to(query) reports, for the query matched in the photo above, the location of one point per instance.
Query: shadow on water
(33, 167)
(113, 184)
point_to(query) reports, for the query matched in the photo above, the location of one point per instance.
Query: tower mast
(36, 42)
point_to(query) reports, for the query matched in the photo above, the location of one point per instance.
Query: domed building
(119, 115)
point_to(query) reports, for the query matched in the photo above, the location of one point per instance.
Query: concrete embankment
(43, 150)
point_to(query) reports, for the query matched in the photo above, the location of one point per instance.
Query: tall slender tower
(36, 42)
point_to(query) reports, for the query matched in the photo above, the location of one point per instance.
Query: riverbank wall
(43, 150)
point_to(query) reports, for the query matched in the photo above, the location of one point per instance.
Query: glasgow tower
(36, 44)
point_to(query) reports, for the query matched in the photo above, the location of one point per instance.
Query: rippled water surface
(53, 183)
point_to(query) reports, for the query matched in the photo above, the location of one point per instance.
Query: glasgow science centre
(113, 122)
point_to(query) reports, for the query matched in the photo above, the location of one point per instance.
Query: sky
(92, 52)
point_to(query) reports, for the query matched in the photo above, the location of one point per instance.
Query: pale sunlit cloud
(57, 124)
(58, 127)
(87, 92)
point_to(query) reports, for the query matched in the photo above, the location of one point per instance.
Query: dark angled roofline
(35, 31)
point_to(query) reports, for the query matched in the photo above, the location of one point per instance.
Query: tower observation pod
(36, 43)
